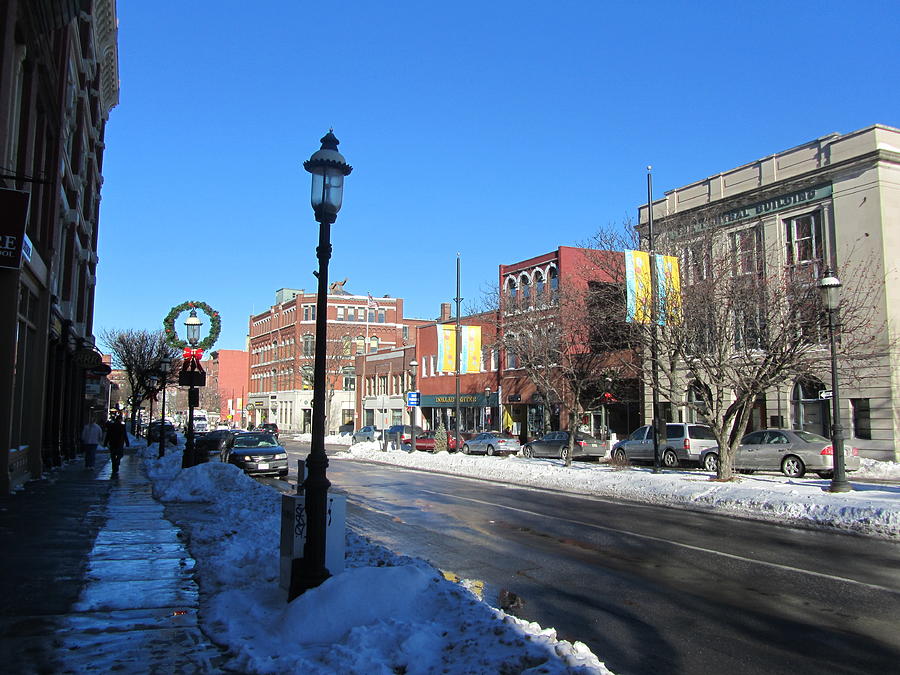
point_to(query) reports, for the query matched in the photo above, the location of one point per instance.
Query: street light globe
(830, 289)
(192, 324)
(153, 380)
(328, 168)
(165, 365)
(414, 365)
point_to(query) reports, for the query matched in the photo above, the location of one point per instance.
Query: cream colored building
(829, 200)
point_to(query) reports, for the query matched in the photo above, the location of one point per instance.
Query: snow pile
(870, 509)
(339, 439)
(872, 468)
(385, 614)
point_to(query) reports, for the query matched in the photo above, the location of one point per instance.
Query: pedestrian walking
(116, 440)
(91, 436)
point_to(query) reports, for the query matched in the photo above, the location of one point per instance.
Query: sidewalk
(95, 578)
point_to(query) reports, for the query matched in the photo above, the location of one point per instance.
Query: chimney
(445, 311)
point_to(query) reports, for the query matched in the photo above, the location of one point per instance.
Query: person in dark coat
(116, 440)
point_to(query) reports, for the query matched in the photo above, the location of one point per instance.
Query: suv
(155, 431)
(269, 427)
(683, 444)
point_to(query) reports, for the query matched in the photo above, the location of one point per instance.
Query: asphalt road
(649, 589)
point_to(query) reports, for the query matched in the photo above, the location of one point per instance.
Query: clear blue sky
(499, 130)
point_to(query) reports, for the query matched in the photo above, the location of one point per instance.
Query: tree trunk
(573, 429)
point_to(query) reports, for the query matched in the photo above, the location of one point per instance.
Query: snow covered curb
(870, 509)
(384, 614)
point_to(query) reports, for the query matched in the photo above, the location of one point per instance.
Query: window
(538, 285)
(306, 312)
(406, 332)
(346, 345)
(380, 316)
(699, 260)
(511, 291)
(360, 344)
(349, 378)
(371, 318)
(862, 420)
(525, 283)
(554, 285)
(805, 250)
(309, 345)
(373, 344)
(382, 384)
(746, 249)
(340, 313)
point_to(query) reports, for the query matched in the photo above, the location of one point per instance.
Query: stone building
(831, 203)
(59, 80)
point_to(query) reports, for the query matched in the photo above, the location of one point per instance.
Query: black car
(269, 427)
(215, 442)
(257, 453)
(556, 444)
(154, 433)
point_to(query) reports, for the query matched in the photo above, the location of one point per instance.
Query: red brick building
(227, 385)
(282, 350)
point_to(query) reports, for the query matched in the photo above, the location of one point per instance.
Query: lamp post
(328, 169)
(192, 326)
(165, 365)
(487, 408)
(654, 312)
(830, 290)
(152, 383)
(413, 369)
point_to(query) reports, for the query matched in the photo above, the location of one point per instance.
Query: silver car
(368, 433)
(491, 443)
(790, 451)
(684, 444)
(556, 444)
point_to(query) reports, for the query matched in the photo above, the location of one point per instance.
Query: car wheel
(670, 459)
(793, 467)
(564, 452)
(528, 451)
(711, 462)
(490, 451)
(465, 448)
(619, 456)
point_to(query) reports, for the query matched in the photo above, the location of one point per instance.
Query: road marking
(691, 547)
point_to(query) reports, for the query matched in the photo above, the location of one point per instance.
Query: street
(648, 589)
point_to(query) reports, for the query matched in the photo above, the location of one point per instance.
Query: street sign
(412, 398)
(826, 394)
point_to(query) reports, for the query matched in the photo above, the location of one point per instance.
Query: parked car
(369, 433)
(404, 431)
(425, 441)
(269, 427)
(556, 444)
(491, 443)
(684, 444)
(257, 453)
(154, 433)
(790, 451)
(215, 442)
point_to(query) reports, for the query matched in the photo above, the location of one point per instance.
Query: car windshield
(254, 441)
(809, 437)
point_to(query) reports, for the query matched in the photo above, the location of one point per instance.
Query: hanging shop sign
(13, 216)
(449, 400)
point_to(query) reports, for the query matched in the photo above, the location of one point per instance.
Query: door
(774, 447)
(637, 446)
(750, 451)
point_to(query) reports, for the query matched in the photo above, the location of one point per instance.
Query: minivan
(683, 444)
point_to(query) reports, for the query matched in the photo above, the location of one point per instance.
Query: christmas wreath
(215, 325)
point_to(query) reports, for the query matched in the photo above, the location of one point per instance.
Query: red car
(425, 441)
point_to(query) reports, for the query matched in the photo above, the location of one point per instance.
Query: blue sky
(499, 130)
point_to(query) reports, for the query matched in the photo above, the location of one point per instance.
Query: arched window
(373, 344)
(525, 284)
(309, 345)
(346, 345)
(511, 295)
(553, 277)
(360, 344)
(539, 286)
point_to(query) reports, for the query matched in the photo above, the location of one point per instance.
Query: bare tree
(139, 353)
(738, 325)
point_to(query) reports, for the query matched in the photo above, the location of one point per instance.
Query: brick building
(282, 348)
(227, 382)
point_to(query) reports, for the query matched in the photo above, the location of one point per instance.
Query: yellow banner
(470, 353)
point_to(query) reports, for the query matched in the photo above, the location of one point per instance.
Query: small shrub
(440, 439)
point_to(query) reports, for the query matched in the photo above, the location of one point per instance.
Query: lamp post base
(840, 486)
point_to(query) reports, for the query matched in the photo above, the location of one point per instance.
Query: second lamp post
(328, 169)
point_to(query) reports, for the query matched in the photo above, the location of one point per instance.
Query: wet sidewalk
(94, 578)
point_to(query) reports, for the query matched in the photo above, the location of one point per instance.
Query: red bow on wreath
(192, 354)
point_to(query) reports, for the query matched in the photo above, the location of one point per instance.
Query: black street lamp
(152, 384)
(165, 365)
(192, 326)
(487, 409)
(830, 289)
(328, 168)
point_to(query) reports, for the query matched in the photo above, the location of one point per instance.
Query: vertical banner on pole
(637, 285)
